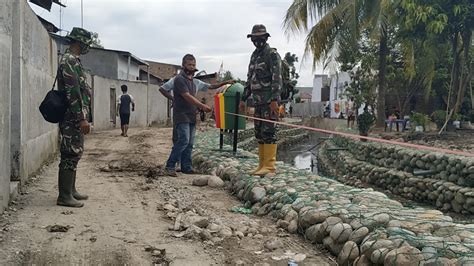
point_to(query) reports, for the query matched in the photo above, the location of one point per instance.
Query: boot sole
(69, 205)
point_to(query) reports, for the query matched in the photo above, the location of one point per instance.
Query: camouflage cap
(80, 35)
(258, 30)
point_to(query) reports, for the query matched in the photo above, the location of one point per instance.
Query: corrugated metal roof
(46, 4)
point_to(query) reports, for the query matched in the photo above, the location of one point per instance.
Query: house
(320, 88)
(50, 27)
(209, 94)
(114, 64)
(304, 93)
(163, 70)
(337, 85)
(108, 63)
(144, 75)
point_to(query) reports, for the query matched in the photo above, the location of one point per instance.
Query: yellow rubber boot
(269, 160)
(260, 159)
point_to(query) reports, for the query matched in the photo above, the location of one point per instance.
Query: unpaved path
(123, 222)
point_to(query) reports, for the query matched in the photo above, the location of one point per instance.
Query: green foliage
(227, 76)
(96, 41)
(243, 82)
(290, 77)
(419, 119)
(298, 99)
(364, 122)
(359, 60)
(439, 117)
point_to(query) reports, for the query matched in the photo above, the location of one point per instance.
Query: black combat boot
(65, 183)
(76, 194)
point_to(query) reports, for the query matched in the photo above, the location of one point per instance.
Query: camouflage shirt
(264, 79)
(72, 80)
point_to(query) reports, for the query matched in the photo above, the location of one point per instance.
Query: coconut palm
(336, 20)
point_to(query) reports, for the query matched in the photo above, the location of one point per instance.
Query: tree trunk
(383, 51)
(455, 70)
(466, 71)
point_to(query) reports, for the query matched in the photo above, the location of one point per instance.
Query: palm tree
(343, 19)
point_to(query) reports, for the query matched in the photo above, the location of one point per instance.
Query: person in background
(124, 102)
(281, 111)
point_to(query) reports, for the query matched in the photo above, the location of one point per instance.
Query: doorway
(113, 107)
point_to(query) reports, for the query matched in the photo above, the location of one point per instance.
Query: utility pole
(82, 14)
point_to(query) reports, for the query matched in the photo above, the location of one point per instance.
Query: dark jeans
(183, 147)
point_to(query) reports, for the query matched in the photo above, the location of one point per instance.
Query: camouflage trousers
(72, 145)
(265, 132)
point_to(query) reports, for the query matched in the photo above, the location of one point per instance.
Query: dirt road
(124, 221)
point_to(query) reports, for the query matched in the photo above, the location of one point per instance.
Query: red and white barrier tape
(354, 136)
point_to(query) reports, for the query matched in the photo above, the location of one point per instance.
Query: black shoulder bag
(54, 105)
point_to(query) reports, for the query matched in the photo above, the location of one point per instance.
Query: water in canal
(302, 155)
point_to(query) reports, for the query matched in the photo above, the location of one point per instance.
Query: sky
(214, 31)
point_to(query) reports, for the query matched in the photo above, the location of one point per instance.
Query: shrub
(419, 119)
(439, 117)
(364, 122)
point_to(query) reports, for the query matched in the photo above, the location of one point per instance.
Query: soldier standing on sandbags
(264, 83)
(72, 81)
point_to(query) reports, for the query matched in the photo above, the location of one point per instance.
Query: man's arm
(218, 85)
(133, 103)
(118, 106)
(181, 89)
(72, 88)
(247, 92)
(276, 76)
(166, 93)
(192, 100)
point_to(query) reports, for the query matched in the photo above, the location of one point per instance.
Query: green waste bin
(230, 104)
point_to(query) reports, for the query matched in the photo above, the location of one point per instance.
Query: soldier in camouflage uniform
(264, 83)
(72, 80)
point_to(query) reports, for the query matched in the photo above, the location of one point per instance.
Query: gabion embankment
(359, 226)
(444, 181)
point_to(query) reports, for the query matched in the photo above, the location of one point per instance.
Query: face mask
(189, 72)
(84, 48)
(259, 42)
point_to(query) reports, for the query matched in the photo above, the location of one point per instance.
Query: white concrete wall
(5, 73)
(337, 85)
(308, 109)
(150, 105)
(157, 106)
(317, 89)
(122, 69)
(34, 67)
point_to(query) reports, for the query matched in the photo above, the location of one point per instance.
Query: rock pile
(358, 226)
(194, 223)
(446, 181)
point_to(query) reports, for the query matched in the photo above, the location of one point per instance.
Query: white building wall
(5, 86)
(122, 69)
(34, 64)
(317, 89)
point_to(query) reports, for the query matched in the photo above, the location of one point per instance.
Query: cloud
(164, 30)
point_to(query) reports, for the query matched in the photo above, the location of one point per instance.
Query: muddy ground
(124, 222)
